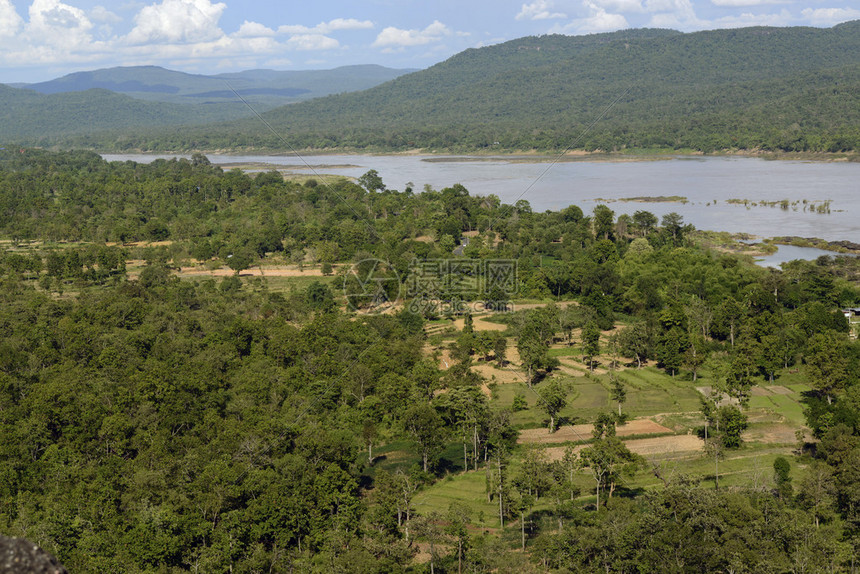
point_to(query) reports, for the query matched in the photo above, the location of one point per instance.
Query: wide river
(707, 183)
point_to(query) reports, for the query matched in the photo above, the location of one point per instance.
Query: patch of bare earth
(767, 391)
(771, 434)
(724, 398)
(525, 306)
(571, 433)
(571, 371)
(252, 272)
(480, 324)
(445, 360)
(506, 376)
(663, 445)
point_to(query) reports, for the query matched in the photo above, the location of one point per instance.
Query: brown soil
(480, 324)
(572, 433)
(665, 444)
(771, 434)
(724, 400)
(645, 446)
(445, 360)
(252, 272)
(506, 376)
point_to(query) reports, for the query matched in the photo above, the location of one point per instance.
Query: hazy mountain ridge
(29, 116)
(131, 100)
(278, 87)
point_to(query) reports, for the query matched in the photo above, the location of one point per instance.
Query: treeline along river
(708, 184)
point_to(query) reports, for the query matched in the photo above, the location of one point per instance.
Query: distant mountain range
(132, 98)
(794, 89)
(267, 88)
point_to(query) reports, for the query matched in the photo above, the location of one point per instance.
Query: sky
(44, 39)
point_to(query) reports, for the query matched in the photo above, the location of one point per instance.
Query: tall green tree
(590, 342)
(827, 363)
(553, 398)
(427, 429)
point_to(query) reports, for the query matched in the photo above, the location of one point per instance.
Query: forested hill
(768, 88)
(265, 89)
(122, 101)
(28, 116)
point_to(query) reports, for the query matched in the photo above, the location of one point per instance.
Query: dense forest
(773, 89)
(159, 422)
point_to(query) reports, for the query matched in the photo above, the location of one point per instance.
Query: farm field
(664, 422)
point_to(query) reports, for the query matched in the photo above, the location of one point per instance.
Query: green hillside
(264, 89)
(788, 89)
(29, 116)
(771, 88)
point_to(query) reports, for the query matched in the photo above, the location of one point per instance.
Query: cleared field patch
(574, 433)
(257, 271)
(775, 433)
(503, 376)
(592, 395)
(780, 401)
(479, 323)
(651, 391)
(663, 446)
(467, 489)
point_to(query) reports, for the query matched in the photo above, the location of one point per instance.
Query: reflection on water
(706, 182)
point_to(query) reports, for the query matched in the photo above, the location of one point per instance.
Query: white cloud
(749, 19)
(10, 21)
(600, 20)
(253, 30)
(176, 33)
(178, 21)
(677, 14)
(539, 10)
(102, 14)
(348, 24)
(392, 37)
(327, 27)
(58, 24)
(619, 5)
(309, 42)
(745, 3)
(597, 20)
(829, 16)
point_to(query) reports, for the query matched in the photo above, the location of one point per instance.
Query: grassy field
(775, 414)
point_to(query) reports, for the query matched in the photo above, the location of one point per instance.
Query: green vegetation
(263, 89)
(641, 402)
(762, 89)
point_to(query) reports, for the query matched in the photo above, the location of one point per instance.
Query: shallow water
(788, 253)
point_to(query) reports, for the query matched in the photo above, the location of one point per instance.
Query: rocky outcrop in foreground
(19, 556)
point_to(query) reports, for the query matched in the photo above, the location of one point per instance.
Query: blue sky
(43, 39)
